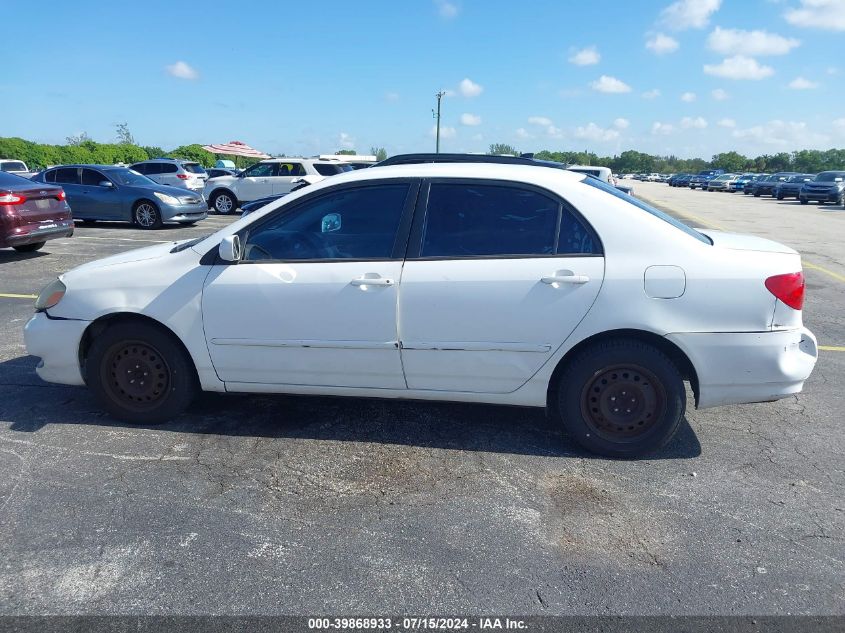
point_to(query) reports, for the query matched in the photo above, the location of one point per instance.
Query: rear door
(498, 275)
(69, 179)
(287, 173)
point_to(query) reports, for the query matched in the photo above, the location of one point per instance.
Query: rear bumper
(32, 234)
(744, 367)
(56, 343)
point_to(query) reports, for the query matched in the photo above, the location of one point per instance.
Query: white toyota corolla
(505, 284)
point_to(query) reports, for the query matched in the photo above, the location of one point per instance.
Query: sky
(686, 78)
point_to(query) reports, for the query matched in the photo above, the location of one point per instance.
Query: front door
(498, 278)
(103, 201)
(256, 182)
(313, 302)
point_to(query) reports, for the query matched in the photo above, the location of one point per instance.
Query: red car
(31, 213)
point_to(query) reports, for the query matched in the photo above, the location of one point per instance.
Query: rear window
(616, 193)
(327, 170)
(12, 165)
(11, 180)
(194, 168)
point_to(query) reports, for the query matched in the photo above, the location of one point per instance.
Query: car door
(286, 175)
(498, 275)
(69, 179)
(313, 301)
(256, 182)
(103, 201)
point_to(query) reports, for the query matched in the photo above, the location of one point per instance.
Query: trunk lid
(742, 242)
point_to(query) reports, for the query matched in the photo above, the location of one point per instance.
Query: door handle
(561, 278)
(371, 279)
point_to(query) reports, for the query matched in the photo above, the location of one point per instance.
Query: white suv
(273, 177)
(173, 172)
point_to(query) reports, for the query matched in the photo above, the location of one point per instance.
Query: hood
(136, 255)
(176, 192)
(741, 242)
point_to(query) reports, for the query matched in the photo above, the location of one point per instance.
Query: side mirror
(230, 249)
(106, 183)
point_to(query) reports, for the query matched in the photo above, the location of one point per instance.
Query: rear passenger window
(291, 169)
(67, 176)
(469, 220)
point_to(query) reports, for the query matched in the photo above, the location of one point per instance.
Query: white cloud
(391, 96)
(739, 67)
(522, 133)
(783, 134)
(799, 83)
(469, 88)
(661, 44)
(662, 128)
(345, 141)
(726, 123)
(585, 57)
(445, 132)
(688, 97)
(609, 84)
(446, 10)
(539, 120)
(739, 42)
(554, 132)
(699, 123)
(182, 70)
(621, 124)
(651, 94)
(470, 119)
(819, 14)
(593, 132)
(719, 95)
(689, 14)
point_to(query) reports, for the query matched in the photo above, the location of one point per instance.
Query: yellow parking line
(821, 269)
(831, 348)
(5, 295)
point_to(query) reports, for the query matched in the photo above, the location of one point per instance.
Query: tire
(224, 202)
(779, 196)
(88, 222)
(757, 194)
(122, 389)
(621, 368)
(802, 200)
(145, 215)
(29, 248)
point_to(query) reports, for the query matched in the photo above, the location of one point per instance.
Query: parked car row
(827, 186)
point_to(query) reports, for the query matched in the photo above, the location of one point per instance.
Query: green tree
(194, 152)
(346, 152)
(729, 161)
(379, 152)
(124, 136)
(503, 148)
(78, 139)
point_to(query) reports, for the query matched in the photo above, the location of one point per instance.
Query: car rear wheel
(140, 373)
(146, 215)
(621, 398)
(29, 248)
(802, 200)
(779, 196)
(224, 202)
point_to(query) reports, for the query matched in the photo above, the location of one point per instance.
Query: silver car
(115, 193)
(174, 172)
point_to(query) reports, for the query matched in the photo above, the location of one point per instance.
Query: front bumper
(56, 342)
(831, 195)
(184, 212)
(744, 367)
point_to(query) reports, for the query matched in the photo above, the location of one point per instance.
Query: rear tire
(621, 398)
(29, 248)
(140, 373)
(802, 200)
(779, 196)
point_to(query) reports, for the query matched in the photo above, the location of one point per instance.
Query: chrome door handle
(565, 279)
(371, 281)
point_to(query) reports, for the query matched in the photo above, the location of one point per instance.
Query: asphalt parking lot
(305, 505)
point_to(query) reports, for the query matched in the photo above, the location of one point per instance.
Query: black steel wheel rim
(622, 403)
(135, 375)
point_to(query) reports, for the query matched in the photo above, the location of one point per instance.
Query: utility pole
(439, 96)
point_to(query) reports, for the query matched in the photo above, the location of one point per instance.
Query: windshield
(12, 165)
(613, 191)
(129, 177)
(830, 176)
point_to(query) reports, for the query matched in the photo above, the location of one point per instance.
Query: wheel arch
(227, 190)
(100, 325)
(675, 354)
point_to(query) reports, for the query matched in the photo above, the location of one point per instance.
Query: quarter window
(469, 220)
(360, 223)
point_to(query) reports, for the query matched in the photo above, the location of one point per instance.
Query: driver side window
(359, 223)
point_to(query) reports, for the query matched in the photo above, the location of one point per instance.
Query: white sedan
(505, 284)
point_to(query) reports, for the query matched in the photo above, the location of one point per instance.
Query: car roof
(424, 157)
(181, 161)
(89, 165)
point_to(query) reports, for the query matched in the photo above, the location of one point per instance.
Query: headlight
(51, 295)
(165, 198)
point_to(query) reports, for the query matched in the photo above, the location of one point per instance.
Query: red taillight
(61, 195)
(182, 176)
(789, 288)
(7, 198)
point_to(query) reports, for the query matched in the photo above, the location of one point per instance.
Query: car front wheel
(621, 398)
(146, 215)
(140, 373)
(224, 202)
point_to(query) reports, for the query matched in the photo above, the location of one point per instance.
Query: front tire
(621, 398)
(779, 196)
(224, 202)
(29, 248)
(803, 200)
(140, 373)
(146, 215)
